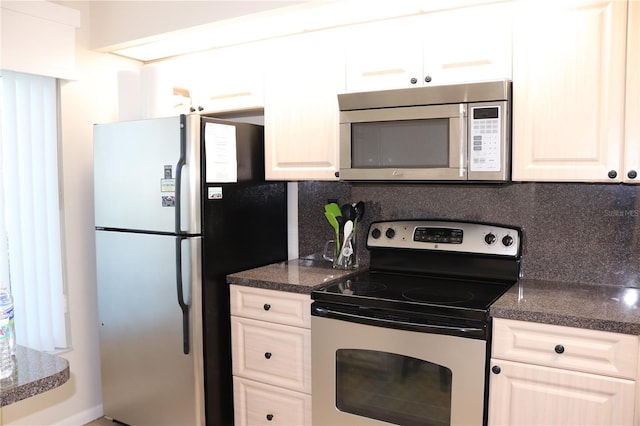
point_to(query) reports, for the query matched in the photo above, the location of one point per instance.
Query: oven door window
(392, 388)
(401, 144)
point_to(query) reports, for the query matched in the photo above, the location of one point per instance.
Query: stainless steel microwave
(456, 132)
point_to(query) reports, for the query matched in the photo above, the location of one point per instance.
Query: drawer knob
(559, 349)
(269, 417)
(496, 369)
(267, 355)
(267, 306)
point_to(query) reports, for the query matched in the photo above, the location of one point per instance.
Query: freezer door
(139, 167)
(146, 377)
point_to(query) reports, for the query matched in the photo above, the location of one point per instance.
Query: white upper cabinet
(230, 79)
(468, 44)
(631, 170)
(304, 75)
(384, 55)
(569, 90)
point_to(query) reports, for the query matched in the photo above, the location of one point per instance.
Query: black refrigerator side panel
(244, 229)
(249, 149)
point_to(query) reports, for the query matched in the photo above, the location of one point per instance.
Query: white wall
(90, 99)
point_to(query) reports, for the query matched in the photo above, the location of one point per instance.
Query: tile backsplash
(587, 233)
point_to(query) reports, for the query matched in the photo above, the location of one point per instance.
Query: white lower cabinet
(271, 356)
(257, 403)
(552, 375)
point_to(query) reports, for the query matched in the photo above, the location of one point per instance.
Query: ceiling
(180, 29)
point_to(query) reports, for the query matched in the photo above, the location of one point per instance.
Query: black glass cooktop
(416, 292)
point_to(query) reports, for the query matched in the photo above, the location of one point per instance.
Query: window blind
(30, 237)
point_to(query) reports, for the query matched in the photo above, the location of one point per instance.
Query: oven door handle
(473, 332)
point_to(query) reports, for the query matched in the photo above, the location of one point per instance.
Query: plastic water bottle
(7, 335)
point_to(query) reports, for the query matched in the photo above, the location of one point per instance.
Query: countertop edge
(51, 379)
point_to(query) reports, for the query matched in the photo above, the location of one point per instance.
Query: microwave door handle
(458, 141)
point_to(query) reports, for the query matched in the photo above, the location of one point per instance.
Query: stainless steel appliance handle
(182, 161)
(180, 236)
(184, 307)
(330, 313)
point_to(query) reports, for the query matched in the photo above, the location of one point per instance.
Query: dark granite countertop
(590, 306)
(595, 307)
(34, 373)
(295, 276)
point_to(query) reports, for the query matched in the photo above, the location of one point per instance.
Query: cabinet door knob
(559, 349)
(269, 417)
(496, 369)
(632, 174)
(414, 80)
(267, 306)
(427, 79)
(612, 174)
(267, 355)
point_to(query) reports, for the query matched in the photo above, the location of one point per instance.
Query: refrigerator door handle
(184, 305)
(182, 161)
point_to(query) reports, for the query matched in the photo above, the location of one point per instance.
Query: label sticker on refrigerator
(214, 193)
(167, 185)
(221, 159)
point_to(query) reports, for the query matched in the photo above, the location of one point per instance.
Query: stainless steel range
(407, 342)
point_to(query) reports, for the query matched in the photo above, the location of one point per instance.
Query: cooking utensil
(346, 246)
(359, 212)
(333, 209)
(348, 212)
(359, 208)
(334, 223)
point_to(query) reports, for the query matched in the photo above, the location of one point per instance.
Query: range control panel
(466, 237)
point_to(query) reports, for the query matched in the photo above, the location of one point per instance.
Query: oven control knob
(376, 233)
(490, 238)
(390, 233)
(507, 240)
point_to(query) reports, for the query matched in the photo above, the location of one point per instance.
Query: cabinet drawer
(271, 305)
(272, 353)
(570, 348)
(256, 403)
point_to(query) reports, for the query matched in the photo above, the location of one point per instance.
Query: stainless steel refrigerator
(180, 202)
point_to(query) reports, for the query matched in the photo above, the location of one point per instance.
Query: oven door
(369, 375)
(405, 143)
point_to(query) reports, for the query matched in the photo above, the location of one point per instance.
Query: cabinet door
(468, 44)
(568, 90)
(523, 394)
(384, 55)
(305, 75)
(632, 109)
(230, 80)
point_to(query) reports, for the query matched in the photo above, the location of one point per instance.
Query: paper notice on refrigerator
(220, 153)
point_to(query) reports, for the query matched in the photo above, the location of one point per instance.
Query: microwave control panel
(485, 138)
